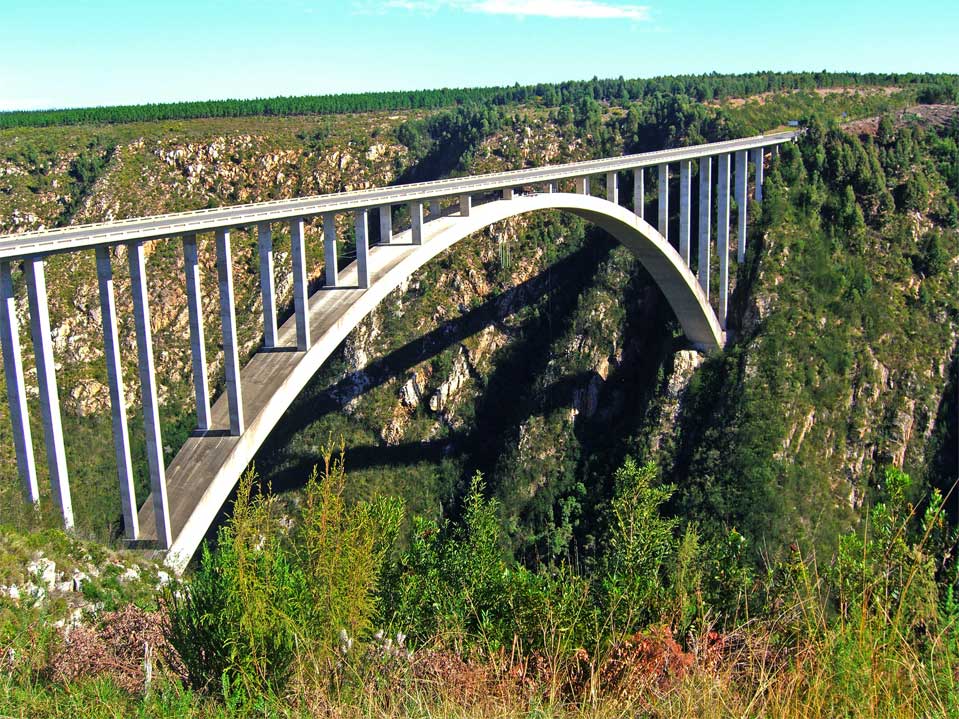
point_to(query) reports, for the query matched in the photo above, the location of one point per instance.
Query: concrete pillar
(301, 299)
(757, 154)
(435, 209)
(705, 221)
(231, 349)
(416, 222)
(722, 235)
(742, 201)
(201, 387)
(663, 223)
(16, 390)
(639, 192)
(508, 193)
(466, 205)
(329, 250)
(685, 208)
(386, 224)
(264, 241)
(552, 187)
(774, 152)
(362, 249)
(612, 187)
(118, 403)
(148, 394)
(47, 384)
(582, 185)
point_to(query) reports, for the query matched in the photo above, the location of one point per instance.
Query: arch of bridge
(205, 471)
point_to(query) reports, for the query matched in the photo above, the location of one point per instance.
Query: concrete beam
(386, 224)
(16, 389)
(757, 155)
(466, 205)
(47, 383)
(639, 192)
(201, 386)
(416, 222)
(264, 243)
(231, 348)
(742, 202)
(705, 221)
(663, 220)
(722, 236)
(148, 394)
(685, 207)
(612, 187)
(301, 301)
(329, 250)
(118, 403)
(362, 219)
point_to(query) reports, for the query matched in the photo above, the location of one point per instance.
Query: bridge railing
(424, 205)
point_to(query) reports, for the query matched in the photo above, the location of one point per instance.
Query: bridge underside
(206, 469)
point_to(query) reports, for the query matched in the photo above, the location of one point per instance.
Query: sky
(77, 53)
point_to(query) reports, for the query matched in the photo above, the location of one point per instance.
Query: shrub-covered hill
(537, 351)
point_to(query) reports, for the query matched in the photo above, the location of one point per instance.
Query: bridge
(187, 495)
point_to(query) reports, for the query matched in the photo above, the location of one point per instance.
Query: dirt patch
(821, 91)
(925, 115)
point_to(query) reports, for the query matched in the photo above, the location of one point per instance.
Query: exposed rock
(88, 397)
(459, 374)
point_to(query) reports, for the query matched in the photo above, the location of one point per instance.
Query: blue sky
(59, 53)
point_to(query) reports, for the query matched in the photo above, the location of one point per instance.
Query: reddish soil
(925, 115)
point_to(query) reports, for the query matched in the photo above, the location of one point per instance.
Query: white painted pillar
(362, 249)
(774, 152)
(466, 205)
(639, 192)
(231, 349)
(386, 224)
(705, 221)
(757, 154)
(742, 202)
(722, 236)
(148, 393)
(329, 250)
(264, 241)
(552, 187)
(16, 390)
(435, 209)
(201, 387)
(416, 222)
(301, 300)
(47, 383)
(118, 403)
(685, 208)
(582, 185)
(663, 223)
(612, 187)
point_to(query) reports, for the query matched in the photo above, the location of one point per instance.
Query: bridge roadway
(49, 241)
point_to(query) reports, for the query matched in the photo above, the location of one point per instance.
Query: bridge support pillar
(774, 152)
(148, 394)
(118, 403)
(194, 302)
(612, 187)
(508, 193)
(362, 249)
(582, 185)
(758, 162)
(301, 299)
(416, 222)
(722, 236)
(639, 192)
(466, 205)
(47, 382)
(264, 242)
(16, 389)
(435, 210)
(663, 219)
(551, 187)
(231, 349)
(329, 250)
(386, 224)
(705, 221)
(742, 202)
(685, 209)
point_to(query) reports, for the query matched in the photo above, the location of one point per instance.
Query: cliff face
(536, 351)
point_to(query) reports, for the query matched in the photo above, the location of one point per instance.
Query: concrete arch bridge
(186, 495)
